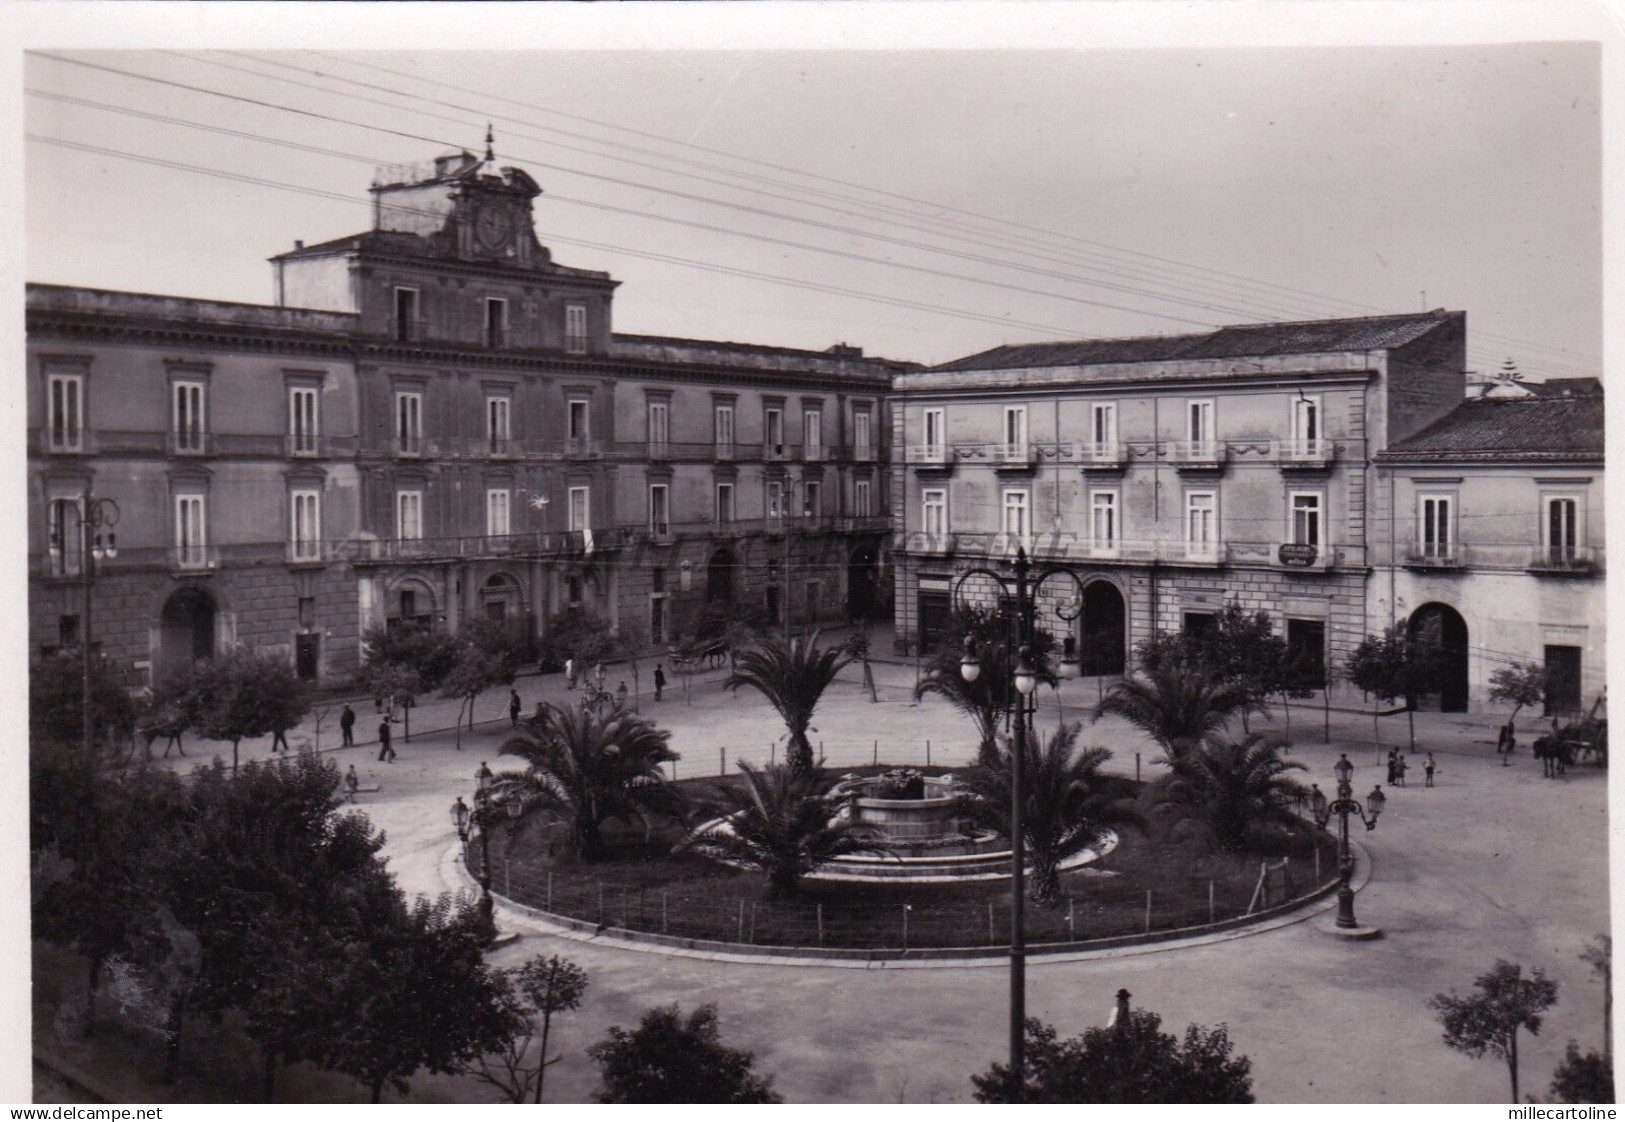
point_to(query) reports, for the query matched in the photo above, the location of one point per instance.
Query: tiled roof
(1238, 341)
(1541, 428)
(1567, 387)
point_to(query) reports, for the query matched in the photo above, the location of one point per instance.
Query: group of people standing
(1398, 765)
(571, 671)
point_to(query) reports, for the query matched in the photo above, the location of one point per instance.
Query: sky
(924, 205)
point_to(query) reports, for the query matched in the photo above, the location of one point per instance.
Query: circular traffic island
(930, 880)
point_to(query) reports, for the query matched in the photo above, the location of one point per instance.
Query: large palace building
(435, 422)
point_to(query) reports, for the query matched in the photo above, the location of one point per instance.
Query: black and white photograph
(569, 560)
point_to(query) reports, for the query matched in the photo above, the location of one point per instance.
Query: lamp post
(94, 516)
(483, 810)
(1342, 806)
(1026, 681)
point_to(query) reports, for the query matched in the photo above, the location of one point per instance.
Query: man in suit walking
(386, 752)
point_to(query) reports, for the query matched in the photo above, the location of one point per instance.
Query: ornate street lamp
(1026, 681)
(483, 810)
(97, 542)
(1071, 667)
(1342, 806)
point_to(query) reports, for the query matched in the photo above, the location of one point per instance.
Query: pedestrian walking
(1393, 766)
(386, 752)
(1400, 765)
(660, 680)
(1429, 766)
(352, 783)
(347, 726)
(514, 706)
(570, 673)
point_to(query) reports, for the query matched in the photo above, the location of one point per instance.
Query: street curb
(456, 876)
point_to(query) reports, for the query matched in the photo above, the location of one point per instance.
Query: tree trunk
(458, 725)
(541, 1066)
(378, 1089)
(1512, 1063)
(406, 724)
(234, 757)
(268, 1077)
(800, 753)
(1286, 707)
(1043, 881)
(1410, 717)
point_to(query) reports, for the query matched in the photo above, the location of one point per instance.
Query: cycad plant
(780, 822)
(1232, 789)
(1175, 701)
(1065, 809)
(793, 675)
(590, 767)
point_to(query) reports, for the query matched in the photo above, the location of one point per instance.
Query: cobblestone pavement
(1493, 862)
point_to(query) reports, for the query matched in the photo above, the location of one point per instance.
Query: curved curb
(521, 917)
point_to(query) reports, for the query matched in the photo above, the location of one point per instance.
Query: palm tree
(589, 767)
(779, 821)
(1231, 788)
(1175, 702)
(985, 701)
(793, 676)
(1065, 810)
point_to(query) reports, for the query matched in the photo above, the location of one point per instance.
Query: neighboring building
(1495, 515)
(1169, 473)
(481, 444)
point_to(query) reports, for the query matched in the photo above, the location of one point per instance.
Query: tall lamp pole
(1344, 805)
(94, 515)
(1026, 681)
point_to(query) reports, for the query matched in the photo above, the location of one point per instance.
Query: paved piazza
(1493, 862)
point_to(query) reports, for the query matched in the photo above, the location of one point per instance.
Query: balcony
(1103, 550)
(863, 453)
(311, 446)
(190, 442)
(497, 448)
(776, 453)
(1565, 561)
(1013, 457)
(63, 441)
(1197, 553)
(1302, 557)
(928, 455)
(1196, 455)
(1305, 455)
(583, 448)
(408, 330)
(194, 558)
(1444, 558)
(496, 336)
(306, 553)
(1094, 456)
(658, 451)
(863, 523)
(814, 454)
(723, 451)
(409, 446)
(930, 544)
(659, 533)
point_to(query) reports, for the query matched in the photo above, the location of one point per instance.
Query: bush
(668, 1059)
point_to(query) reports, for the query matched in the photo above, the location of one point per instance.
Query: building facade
(1494, 533)
(437, 422)
(1169, 474)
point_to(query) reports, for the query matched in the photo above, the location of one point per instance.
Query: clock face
(492, 226)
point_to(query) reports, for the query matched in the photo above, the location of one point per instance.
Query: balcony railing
(1434, 556)
(62, 441)
(408, 330)
(1196, 453)
(194, 557)
(814, 453)
(58, 563)
(409, 444)
(658, 449)
(927, 455)
(1023, 454)
(723, 451)
(776, 453)
(190, 442)
(1305, 452)
(583, 447)
(1565, 560)
(1201, 553)
(496, 336)
(918, 542)
(863, 453)
(307, 552)
(1101, 455)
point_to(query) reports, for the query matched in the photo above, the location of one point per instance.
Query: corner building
(436, 422)
(1169, 473)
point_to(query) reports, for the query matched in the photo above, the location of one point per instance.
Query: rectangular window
(811, 493)
(1016, 514)
(936, 430)
(659, 509)
(580, 510)
(191, 544)
(1306, 425)
(862, 506)
(188, 416)
(1103, 425)
(307, 613)
(406, 314)
(67, 632)
(725, 431)
(575, 328)
(657, 617)
(306, 530)
(862, 435)
(497, 524)
(659, 427)
(303, 427)
(64, 536)
(1306, 518)
(725, 502)
(498, 431)
(1201, 523)
(773, 429)
(1436, 532)
(578, 429)
(1103, 519)
(775, 500)
(64, 420)
(496, 322)
(934, 511)
(1199, 422)
(1015, 426)
(1561, 532)
(409, 515)
(408, 423)
(812, 433)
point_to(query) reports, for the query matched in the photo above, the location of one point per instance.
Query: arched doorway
(719, 577)
(185, 631)
(1451, 630)
(502, 601)
(862, 583)
(1104, 627)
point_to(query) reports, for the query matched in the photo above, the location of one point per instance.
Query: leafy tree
(1599, 955)
(779, 821)
(430, 654)
(245, 693)
(485, 659)
(992, 698)
(576, 634)
(1068, 806)
(591, 767)
(857, 645)
(1132, 1061)
(1398, 664)
(56, 702)
(670, 1059)
(1232, 790)
(1173, 699)
(541, 988)
(1583, 1077)
(793, 675)
(1488, 1021)
(420, 997)
(394, 685)
(1518, 685)
(1242, 650)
